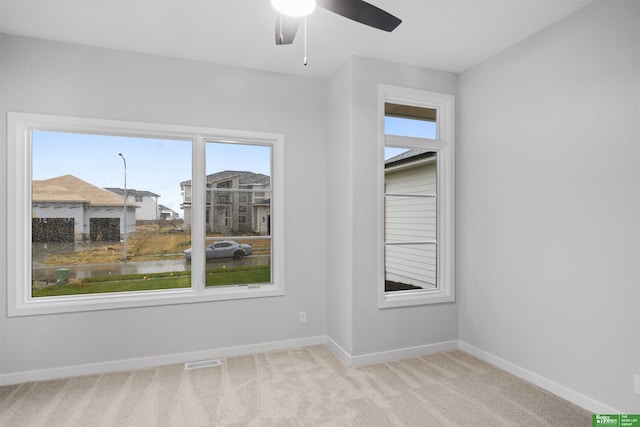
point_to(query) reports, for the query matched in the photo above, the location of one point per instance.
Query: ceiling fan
(291, 12)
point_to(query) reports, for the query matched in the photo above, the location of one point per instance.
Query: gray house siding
(411, 219)
(237, 202)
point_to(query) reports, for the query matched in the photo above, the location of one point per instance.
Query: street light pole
(124, 217)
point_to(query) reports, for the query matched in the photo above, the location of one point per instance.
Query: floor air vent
(201, 364)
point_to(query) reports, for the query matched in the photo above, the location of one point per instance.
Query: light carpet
(302, 387)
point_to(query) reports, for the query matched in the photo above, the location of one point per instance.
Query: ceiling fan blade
(363, 12)
(286, 29)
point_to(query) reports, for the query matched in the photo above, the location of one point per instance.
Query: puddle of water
(42, 273)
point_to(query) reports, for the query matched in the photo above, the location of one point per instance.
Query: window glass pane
(409, 127)
(411, 202)
(410, 120)
(411, 220)
(410, 267)
(238, 213)
(82, 241)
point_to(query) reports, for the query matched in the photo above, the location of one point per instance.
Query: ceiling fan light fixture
(295, 8)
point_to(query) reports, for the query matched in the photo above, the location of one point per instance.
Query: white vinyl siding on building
(411, 224)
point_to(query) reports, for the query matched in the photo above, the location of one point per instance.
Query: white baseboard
(349, 360)
(153, 361)
(388, 356)
(339, 351)
(559, 390)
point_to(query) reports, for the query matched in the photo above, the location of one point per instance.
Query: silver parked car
(225, 249)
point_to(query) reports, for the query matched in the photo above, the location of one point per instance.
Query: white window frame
(444, 146)
(19, 176)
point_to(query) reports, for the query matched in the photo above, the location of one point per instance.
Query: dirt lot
(149, 242)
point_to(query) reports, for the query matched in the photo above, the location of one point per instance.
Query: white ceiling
(450, 35)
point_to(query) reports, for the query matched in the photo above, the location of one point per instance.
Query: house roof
(132, 192)
(165, 208)
(408, 156)
(69, 189)
(246, 177)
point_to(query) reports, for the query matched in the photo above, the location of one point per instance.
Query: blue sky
(409, 127)
(152, 164)
(406, 127)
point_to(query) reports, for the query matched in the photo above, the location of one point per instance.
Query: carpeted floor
(302, 387)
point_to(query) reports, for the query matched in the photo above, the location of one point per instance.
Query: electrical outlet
(636, 384)
(302, 317)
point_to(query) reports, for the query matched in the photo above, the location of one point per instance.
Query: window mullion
(198, 230)
(410, 242)
(413, 142)
(416, 195)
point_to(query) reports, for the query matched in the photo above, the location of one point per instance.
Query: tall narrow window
(417, 199)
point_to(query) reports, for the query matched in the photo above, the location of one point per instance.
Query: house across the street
(146, 201)
(167, 213)
(67, 209)
(238, 202)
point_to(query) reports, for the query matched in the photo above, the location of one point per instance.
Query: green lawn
(155, 281)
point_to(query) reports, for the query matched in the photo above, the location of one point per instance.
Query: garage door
(104, 229)
(45, 230)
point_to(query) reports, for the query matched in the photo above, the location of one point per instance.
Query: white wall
(55, 78)
(377, 330)
(147, 209)
(353, 148)
(547, 198)
(340, 208)
(548, 204)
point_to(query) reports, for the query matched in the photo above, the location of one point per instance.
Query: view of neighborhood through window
(237, 213)
(411, 199)
(106, 214)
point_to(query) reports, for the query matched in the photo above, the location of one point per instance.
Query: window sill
(120, 300)
(414, 297)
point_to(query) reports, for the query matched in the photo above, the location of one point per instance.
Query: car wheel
(238, 255)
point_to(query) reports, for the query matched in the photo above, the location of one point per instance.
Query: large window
(91, 231)
(82, 237)
(416, 182)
